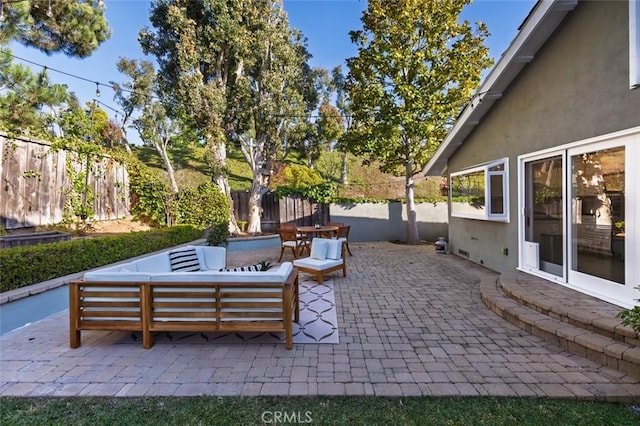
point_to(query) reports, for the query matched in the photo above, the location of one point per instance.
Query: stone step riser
(602, 349)
(608, 327)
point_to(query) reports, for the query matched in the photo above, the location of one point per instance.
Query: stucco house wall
(576, 87)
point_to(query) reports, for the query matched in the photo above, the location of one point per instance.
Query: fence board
(35, 183)
(287, 210)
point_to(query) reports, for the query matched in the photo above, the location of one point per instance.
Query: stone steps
(568, 319)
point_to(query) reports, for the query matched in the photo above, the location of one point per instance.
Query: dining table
(321, 231)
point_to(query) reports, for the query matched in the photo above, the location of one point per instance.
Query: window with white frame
(634, 44)
(481, 192)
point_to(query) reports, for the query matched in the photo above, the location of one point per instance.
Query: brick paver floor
(411, 323)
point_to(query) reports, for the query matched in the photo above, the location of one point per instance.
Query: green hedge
(22, 266)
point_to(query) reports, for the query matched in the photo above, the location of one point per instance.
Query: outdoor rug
(318, 323)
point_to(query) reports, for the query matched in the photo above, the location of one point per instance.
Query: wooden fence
(36, 184)
(296, 210)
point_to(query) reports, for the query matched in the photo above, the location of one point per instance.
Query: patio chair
(326, 255)
(293, 227)
(289, 239)
(332, 234)
(343, 235)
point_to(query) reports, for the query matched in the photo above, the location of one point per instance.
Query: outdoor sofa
(187, 289)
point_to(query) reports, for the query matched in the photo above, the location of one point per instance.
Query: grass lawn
(211, 410)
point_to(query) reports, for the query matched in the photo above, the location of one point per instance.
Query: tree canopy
(416, 68)
(74, 27)
(23, 95)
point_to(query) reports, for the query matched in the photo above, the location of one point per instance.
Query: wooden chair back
(343, 231)
(287, 234)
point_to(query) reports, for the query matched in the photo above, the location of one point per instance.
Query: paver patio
(411, 323)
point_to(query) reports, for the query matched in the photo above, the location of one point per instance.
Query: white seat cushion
(117, 276)
(316, 264)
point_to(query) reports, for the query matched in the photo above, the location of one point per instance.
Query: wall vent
(463, 252)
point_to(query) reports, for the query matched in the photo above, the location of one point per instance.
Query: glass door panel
(544, 213)
(598, 214)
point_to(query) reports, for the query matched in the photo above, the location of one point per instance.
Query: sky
(325, 24)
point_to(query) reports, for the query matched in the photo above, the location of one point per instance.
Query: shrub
(296, 176)
(22, 266)
(218, 234)
(206, 208)
(148, 193)
(631, 317)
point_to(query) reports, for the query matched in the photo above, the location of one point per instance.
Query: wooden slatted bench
(150, 307)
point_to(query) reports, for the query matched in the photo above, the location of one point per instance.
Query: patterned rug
(318, 323)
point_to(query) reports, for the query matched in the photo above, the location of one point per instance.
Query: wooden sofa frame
(150, 307)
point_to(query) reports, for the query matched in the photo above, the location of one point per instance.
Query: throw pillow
(251, 268)
(184, 260)
(334, 250)
(319, 248)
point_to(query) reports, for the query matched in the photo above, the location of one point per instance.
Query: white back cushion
(156, 263)
(319, 248)
(212, 257)
(334, 249)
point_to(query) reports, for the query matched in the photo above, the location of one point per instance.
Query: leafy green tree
(24, 97)
(416, 68)
(195, 43)
(330, 125)
(89, 124)
(74, 27)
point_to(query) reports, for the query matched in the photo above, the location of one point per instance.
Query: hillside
(364, 181)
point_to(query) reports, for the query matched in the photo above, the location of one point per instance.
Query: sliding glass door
(579, 215)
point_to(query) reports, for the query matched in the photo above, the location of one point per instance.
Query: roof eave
(541, 22)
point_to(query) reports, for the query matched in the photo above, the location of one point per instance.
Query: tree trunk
(255, 206)
(168, 166)
(219, 151)
(344, 178)
(412, 224)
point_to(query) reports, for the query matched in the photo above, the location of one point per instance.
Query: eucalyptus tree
(141, 94)
(74, 27)
(136, 92)
(416, 68)
(330, 125)
(338, 81)
(196, 43)
(269, 95)
(157, 129)
(315, 134)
